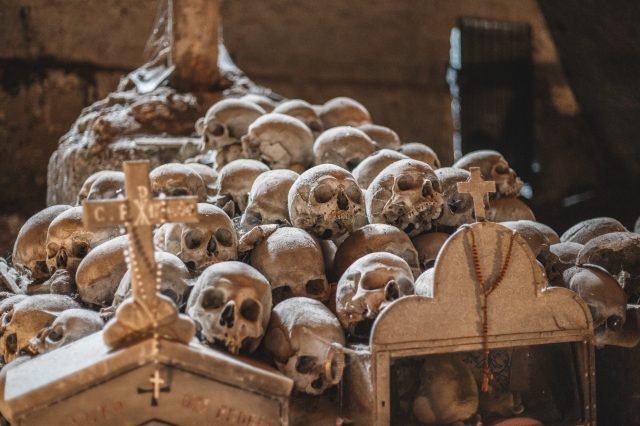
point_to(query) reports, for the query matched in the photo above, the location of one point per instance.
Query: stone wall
(57, 56)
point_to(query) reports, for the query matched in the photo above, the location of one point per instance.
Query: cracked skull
(30, 249)
(68, 241)
(175, 180)
(406, 194)
(305, 340)
(69, 326)
(343, 146)
(279, 141)
(268, 199)
(234, 184)
(292, 261)
(211, 240)
(368, 286)
(343, 111)
(327, 202)
(231, 305)
(494, 167)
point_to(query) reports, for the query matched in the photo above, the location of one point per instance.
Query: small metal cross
(477, 188)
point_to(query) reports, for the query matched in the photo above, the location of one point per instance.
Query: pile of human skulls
(312, 220)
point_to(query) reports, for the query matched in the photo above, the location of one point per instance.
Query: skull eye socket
(178, 192)
(315, 287)
(193, 239)
(41, 267)
(305, 364)
(6, 319)
(79, 249)
(406, 182)
(56, 334)
(354, 193)
(314, 126)
(250, 309)
(253, 218)
(614, 322)
(218, 130)
(323, 193)
(224, 237)
(212, 298)
(501, 169)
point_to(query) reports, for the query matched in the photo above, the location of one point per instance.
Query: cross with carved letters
(139, 212)
(477, 188)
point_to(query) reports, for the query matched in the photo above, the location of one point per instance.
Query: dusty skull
(428, 247)
(86, 186)
(231, 305)
(108, 185)
(567, 255)
(508, 209)
(458, 208)
(226, 122)
(327, 202)
(424, 283)
(369, 168)
(304, 112)
(69, 326)
(280, 141)
(211, 240)
(175, 280)
(343, 146)
(209, 176)
(374, 238)
(100, 272)
(27, 318)
(493, 167)
(68, 242)
(343, 111)
(406, 194)
(382, 136)
(421, 152)
(604, 296)
(292, 262)
(263, 101)
(175, 180)
(234, 184)
(267, 201)
(305, 340)
(583, 232)
(30, 249)
(368, 286)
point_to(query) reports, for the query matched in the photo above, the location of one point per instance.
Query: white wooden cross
(477, 188)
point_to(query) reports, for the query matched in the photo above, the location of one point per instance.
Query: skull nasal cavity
(343, 202)
(211, 247)
(61, 260)
(391, 291)
(427, 189)
(228, 316)
(12, 343)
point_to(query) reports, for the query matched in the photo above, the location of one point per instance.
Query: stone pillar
(195, 43)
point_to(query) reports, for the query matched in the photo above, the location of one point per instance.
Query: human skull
(406, 194)
(107, 186)
(369, 168)
(304, 112)
(100, 272)
(210, 240)
(226, 122)
(292, 262)
(327, 202)
(69, 326)
(175, 180)
(382, 136)
(234, 184)
(509, 209)
(267, 201)
(374, 238)
(231, 306)
(209, 176)
(26, 319)
(424, 283)
(68, 242)
(539, 245)
(428, 246)
(604, 296)
(86, 186)
(30, 249)
(265, 102)
(175, 281)
(458, 207)
(280, 141)
(367, 287)
(343, 146)
(305, 340)
(493, 167)
(421, 152)
(343, 111)
(546, 230)
(583, 232)
(567, 255)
